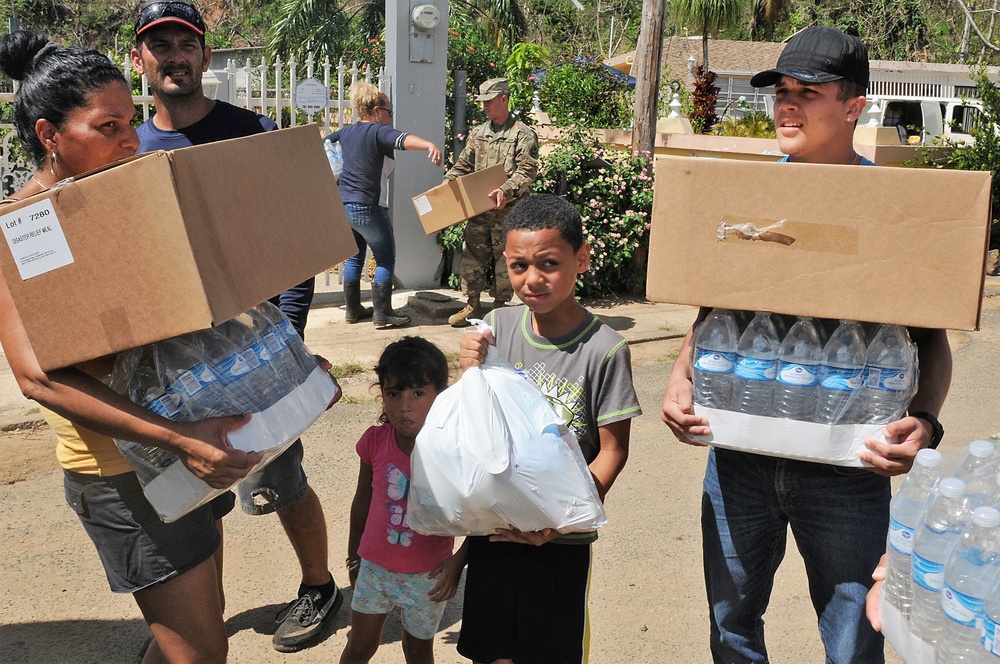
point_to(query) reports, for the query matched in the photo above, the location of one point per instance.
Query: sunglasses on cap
(173, 11)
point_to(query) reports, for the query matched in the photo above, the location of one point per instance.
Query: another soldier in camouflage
(503, 140)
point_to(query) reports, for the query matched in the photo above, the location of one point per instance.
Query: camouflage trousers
(484, 247)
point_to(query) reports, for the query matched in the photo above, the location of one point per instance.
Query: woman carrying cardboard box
(73, 112)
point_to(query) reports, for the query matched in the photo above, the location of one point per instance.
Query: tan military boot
(471, 310)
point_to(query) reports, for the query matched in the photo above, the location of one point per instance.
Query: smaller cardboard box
(456, 200)
(887, 245)
(170, 242)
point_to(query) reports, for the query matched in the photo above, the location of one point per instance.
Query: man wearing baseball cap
(170, 50)
(503, 140)
(839, 516)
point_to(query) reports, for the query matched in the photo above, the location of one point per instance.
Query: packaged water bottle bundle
(255, 363)
(945, 513)
(795, 387)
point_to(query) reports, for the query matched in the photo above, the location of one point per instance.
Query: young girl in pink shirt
(389, 564)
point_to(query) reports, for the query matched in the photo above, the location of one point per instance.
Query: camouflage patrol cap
(493, 88)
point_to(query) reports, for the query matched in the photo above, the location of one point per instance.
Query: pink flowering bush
(613, 190)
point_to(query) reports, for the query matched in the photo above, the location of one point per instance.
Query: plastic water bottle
(969, 574)
(905, 510)
(182, 366)
(713, 359)
(756, 366)
(936, 532)
(840, 373)
(335, 156)
(991, 626)
(306, 360)
(282, 361)
(890, 378)
(979, 471)
(233, 366)
(797, 377)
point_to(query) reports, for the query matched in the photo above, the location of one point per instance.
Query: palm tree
(709, 16)
(765, 14)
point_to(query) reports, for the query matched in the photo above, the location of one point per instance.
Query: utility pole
(646, 70)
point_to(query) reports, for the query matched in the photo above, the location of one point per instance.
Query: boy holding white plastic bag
(526, 592)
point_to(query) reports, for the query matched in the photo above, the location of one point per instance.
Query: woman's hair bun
(18, 51)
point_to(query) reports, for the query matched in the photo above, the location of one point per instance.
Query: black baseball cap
(155, 12)
(819, 54)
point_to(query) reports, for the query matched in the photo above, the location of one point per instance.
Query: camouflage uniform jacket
(514, 145)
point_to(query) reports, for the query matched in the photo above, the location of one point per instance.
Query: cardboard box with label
(170, 242)
(887, 245)
(455, 201)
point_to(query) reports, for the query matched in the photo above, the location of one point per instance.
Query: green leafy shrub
(450, 240)
(613, 190)
(584, 93)
(983, 154)
(481, 61)
(755, 124)
(523, 60)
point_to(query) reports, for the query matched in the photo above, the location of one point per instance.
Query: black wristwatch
(937, 431)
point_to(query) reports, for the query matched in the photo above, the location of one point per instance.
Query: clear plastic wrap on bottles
(244, 365)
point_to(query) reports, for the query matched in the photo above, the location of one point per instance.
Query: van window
(905, 114)
(966, 118)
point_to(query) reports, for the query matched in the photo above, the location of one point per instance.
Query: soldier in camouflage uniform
(503, 140)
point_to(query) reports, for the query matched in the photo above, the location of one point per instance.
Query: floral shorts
(378, 590)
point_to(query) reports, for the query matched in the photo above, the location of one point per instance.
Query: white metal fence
(266, 89)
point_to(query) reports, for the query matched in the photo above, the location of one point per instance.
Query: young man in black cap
(838, 515)
(170, 50)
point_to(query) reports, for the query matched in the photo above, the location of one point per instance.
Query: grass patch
(670, 356)
(347, 369)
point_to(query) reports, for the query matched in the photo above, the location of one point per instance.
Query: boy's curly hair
(541, 211)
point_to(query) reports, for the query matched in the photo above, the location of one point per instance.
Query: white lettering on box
(36, 239)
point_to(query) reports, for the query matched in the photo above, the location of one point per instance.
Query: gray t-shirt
(586, 375)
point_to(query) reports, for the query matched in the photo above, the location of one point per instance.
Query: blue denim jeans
(372, 228)
(839, 517)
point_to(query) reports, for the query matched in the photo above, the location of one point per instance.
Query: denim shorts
(377, 590)
(277, 485)
(136, 548)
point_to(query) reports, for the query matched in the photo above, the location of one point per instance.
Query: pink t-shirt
(386, 541)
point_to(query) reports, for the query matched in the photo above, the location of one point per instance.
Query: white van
(921, 120)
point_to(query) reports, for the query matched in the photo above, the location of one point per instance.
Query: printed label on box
(36, 239)
(422, 204)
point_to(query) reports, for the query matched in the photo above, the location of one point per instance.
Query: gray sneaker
(304, 620)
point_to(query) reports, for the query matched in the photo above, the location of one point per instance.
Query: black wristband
(937, 431)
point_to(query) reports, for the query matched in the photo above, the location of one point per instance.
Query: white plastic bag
(492, 453)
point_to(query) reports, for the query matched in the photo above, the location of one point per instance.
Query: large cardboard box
(170, 242)
(457, 200)
(889, 245)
